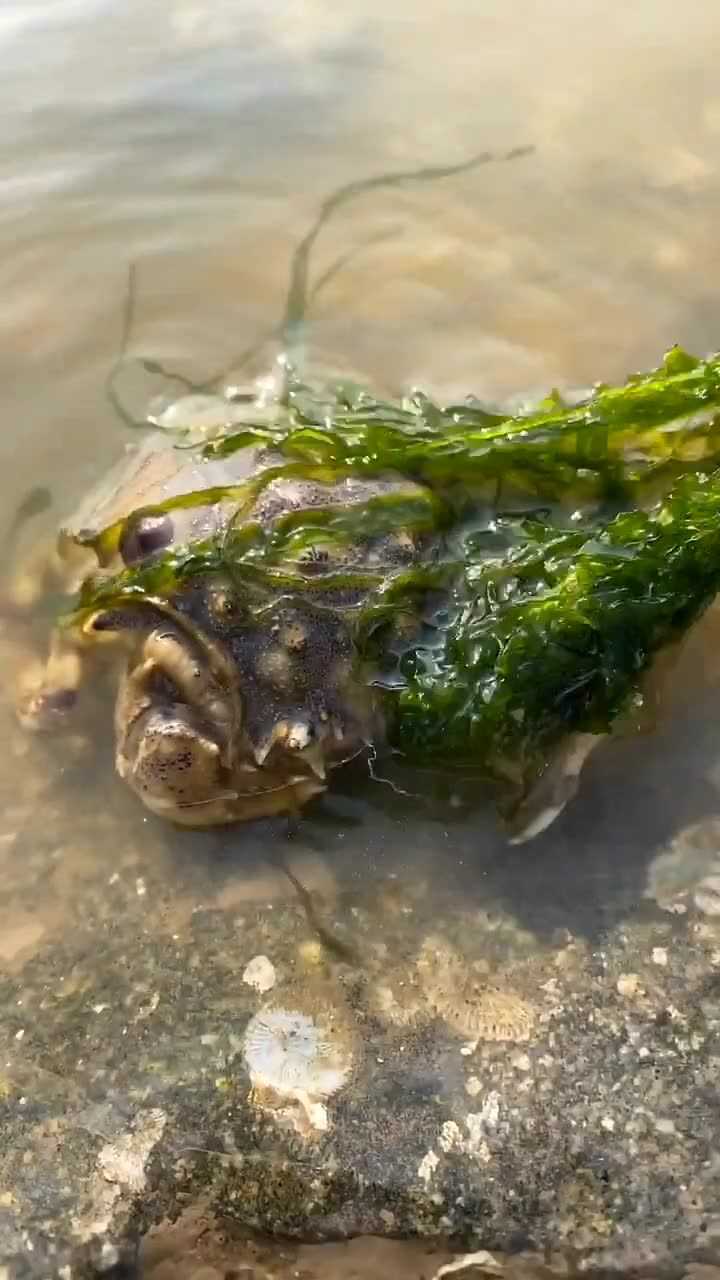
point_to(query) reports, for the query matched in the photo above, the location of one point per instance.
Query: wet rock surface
(443, 1040)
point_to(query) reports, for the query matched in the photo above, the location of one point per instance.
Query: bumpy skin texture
(222, 714)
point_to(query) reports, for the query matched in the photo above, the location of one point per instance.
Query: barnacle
(297, 1059)
(472, 1005)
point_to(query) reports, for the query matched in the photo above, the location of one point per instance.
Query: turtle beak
(296, 739)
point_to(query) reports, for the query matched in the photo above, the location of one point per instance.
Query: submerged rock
(508, 1054)
(509, 1091)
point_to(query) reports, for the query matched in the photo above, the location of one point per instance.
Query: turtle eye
(144, 537)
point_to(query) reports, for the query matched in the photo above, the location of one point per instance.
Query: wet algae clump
(540, 561)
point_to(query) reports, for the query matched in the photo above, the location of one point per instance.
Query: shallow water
(196, 139)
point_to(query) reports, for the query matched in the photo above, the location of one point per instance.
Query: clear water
(196, 139)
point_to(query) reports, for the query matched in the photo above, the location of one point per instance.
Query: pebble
(664, 1126)
(260, 973)
(628, 984)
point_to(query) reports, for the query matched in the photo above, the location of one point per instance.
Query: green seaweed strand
(619, 434)
(563, 647)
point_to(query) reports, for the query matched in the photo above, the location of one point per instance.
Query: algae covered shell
(355, 575)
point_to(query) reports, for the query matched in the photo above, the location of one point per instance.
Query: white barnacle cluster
(296, 1061)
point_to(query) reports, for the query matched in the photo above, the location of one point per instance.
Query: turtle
(219, 716)
(295, 576)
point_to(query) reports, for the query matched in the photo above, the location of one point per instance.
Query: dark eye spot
(144, 537)
(60, 699)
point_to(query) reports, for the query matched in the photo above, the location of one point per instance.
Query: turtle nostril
(60, 699)
(162, 688)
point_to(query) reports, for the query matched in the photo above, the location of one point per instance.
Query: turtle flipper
(553, 791)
